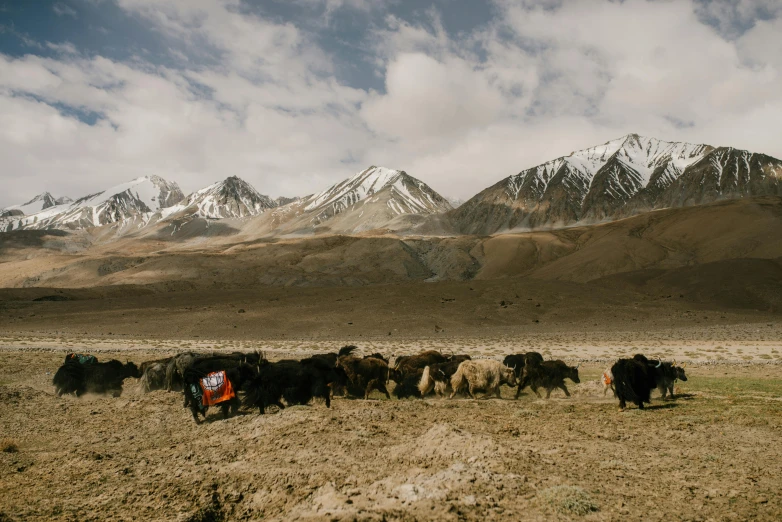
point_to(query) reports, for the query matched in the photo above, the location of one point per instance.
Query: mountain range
(622, 177)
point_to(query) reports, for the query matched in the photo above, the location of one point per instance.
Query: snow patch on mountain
(232, 197)
(135, 200)
(402, 193)
(640, 156)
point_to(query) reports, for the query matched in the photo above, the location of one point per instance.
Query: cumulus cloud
(259, 98)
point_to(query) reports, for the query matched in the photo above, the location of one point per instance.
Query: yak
(667, 374)
(482, 374)
(519, 362)
(105, 378)
(237, 373)
(549, 375)
(153, 374)
(437, 377)
(409, 385)
(410, 363)
(634, 379)
(175, 370)
(365, 374)
(297, 382)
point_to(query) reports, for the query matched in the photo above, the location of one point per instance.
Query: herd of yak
(218, 378)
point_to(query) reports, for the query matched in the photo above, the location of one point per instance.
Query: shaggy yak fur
(437, 377)
(410, 363)
(519, 362)
(105, 378)
(295, 381)
(365, 374)
(549, 375)
(482, 374)
(237, 372)
(175, 370)
(153, 374)
(634, 380)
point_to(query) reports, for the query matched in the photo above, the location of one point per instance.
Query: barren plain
(701, 286)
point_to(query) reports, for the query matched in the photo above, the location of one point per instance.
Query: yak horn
(579, 364)
(660, 363)
(684, 364)
(673, 363)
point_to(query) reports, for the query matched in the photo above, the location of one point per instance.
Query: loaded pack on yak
(215, 380)
(81, 358)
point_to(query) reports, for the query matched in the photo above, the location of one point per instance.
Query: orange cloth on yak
(217, 388)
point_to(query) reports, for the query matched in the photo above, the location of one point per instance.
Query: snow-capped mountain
(372, 199)
(398, 192)
(623, 176)
(38, 203)
(232, 197)
(135, 200)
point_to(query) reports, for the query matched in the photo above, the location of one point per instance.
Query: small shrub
(568, 500)
(8, 446)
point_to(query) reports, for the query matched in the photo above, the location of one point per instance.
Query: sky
(294, 95)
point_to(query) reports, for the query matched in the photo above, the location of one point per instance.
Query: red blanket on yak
(217, 388)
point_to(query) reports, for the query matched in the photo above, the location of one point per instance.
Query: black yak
(365, 374)
(237, 373)
(666, 374)
(634, 379)
(519, 362)
(105, 378)
(410, 363)
(549, 375)
(409, 385)
(297, 382)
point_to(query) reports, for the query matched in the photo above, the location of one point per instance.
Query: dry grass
(9, 446)
(569, 500)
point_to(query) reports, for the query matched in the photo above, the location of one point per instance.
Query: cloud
(259, 97)
(61, 9)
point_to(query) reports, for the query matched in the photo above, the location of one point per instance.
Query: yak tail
(426, 383)
(458, 379)
(346, 350)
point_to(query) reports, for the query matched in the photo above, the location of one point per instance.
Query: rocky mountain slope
(131, 202)
(233, 197)
(372, 199)
(619, 178)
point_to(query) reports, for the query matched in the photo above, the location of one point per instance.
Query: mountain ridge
(621, 177)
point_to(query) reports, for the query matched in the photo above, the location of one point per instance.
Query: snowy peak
(340, 196)
(38, 203)
(399, 192)
(627, 175)
(135, 200)
(232, 197)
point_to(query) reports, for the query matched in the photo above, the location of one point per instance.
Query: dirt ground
(711, 454)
